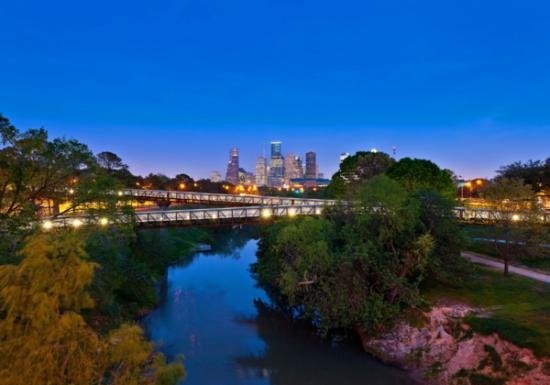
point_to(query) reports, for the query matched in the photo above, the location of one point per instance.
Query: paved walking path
(478, 258)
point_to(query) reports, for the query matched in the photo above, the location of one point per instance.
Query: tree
(356, 169)
(156, 181)
(422, 174)
(355, 269)
(110, 161)
(515, 214)
(43, 336)
(534, 173)
(38, 174)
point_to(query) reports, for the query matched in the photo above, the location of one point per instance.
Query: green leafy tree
(422, 174)
(45, 340)
(516, 219)
(38, 174)
(356, 169)
(534, 173)
(110, 161)
(356, 268)
(156, 181)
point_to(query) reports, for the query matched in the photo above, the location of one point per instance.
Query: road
(477, 258)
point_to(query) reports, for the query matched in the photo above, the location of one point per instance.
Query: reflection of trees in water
(228, 240)
(296, 355)
(176, 245)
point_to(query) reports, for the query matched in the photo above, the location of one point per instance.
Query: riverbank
(446, 350)
(491, 330)
(216, 315)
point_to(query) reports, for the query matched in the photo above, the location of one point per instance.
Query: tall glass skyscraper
(232, 175)
(277, 168)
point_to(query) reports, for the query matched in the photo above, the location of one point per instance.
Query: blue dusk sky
(171, 85)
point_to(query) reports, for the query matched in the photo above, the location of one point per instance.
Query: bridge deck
(217, 198)
(226, 214)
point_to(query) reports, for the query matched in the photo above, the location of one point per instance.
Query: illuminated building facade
(232, 175)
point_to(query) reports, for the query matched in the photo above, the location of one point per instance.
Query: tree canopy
(359, 267)
(43, 336)
(422, 174)
(535, 173)
(516, 215)
(37, 174)
(354, 170)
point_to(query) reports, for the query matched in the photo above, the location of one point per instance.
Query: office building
(311, 165)
(261, 171)
(293, 168)
(277, 168)
(232, 175)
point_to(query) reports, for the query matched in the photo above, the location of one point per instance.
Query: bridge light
(266, 213)
(120, 193)
(292, 212)
(318, 210)
(76, 223)
(47, 225)
(103, 221)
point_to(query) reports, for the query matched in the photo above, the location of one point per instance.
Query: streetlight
(47, 225)
(469, 185)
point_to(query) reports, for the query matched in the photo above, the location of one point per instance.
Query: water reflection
(216, 316)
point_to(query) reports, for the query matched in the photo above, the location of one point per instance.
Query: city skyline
(276, 171)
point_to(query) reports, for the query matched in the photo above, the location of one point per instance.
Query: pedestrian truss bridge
(232, 209)
(222, 199)
(223, 215)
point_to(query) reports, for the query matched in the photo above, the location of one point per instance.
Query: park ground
(516, 308)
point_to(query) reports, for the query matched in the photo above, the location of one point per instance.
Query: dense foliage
(422, 174)
(517, 226)
(534, 173)
(356, 169)
(44, 338)
(64, 297)
(359, 266)
(37, 173)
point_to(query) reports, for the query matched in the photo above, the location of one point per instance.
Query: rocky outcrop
(444, 350)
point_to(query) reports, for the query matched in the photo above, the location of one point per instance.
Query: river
(214, 315)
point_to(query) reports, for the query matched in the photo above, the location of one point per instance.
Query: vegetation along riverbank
(389, 268)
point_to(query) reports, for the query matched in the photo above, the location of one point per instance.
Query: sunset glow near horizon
(171, 86)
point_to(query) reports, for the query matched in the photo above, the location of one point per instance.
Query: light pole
(461, 185)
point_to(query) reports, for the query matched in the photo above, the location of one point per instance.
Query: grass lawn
(541, 262)
(519, 307)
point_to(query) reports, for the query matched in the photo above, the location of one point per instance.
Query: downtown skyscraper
(277, 167)
(311, 165)
(232, 174)
(261, 171)
(293, 168)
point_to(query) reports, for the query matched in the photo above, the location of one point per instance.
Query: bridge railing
(189, 216)
(246, 199)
